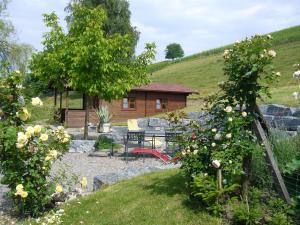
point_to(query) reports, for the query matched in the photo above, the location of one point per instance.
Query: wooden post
(86, 118)
(271, 159)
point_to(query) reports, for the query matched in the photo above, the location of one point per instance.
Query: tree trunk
(60, 108)
(67, 108)
(86, 118)
(246, 178)
(55, 97)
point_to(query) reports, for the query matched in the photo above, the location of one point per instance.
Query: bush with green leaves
(217, 154)
(27, 152)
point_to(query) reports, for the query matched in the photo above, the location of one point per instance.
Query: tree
(118, 17)
(91, 61)
(13, 54)
(174, 51)
(50, 65)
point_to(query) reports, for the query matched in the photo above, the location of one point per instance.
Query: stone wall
(277, 116)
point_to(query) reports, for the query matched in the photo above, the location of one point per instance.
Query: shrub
(104, 142)
(26, 152)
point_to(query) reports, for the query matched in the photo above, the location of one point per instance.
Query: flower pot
(106, 127)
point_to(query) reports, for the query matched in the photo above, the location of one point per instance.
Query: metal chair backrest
(138, 136)
(171, 136)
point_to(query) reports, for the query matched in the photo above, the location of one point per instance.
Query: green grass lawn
(153, 199)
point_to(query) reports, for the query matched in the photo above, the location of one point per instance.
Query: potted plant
(104, 118)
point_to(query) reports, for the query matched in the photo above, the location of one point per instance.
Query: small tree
(174, 51)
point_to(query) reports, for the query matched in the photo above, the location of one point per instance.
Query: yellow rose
(22, 139)
(23, 114)
(83, 182)
(37, 129)
(53, 154)
(36, 101)
(65, 140)
(30, 129)
(28, 134)
(24, 194)
(44, 137)
(19, 145)
(19, 187)
(58, 189)
(48, 157)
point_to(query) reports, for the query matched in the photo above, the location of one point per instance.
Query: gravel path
(82, 165)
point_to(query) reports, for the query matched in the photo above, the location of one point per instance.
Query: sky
(197, 25)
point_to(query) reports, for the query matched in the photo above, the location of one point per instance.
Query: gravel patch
(82, 165)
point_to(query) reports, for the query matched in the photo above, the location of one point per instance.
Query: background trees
(174, 51)
(118, 17)
(13, 55)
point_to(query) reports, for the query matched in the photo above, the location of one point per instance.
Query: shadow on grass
(171, 186)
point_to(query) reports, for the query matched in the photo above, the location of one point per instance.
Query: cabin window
(161, 104)
(128, 103)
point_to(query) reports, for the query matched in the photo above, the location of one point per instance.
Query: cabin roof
(157, 87)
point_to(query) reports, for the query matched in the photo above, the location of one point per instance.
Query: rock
(100, 153)
(118, 132)
(143, 123)
(101, 180)
(81, 146)
(296, 112)
(278, 110)
(270, 120)
(263, 109)
(288, 123)
(156, 122)
(186, 122)
(197, 115)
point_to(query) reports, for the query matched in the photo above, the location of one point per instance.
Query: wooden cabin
(140, 102)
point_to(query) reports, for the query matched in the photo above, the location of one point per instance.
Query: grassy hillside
(203, 71)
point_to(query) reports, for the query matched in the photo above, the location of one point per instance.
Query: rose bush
(26, 152)
(217, 154)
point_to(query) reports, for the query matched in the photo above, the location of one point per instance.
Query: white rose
(295, 94)
(272, 53)
(228, 109)
(230, 119)
(244, 114)
(195, 152)
(229, 135)
(278, 74)
(213, 144)
(296, 74)
(36, 101)
(214, 130)
(216, 164)
(218, 137)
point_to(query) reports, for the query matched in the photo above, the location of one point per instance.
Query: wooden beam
(271, 159)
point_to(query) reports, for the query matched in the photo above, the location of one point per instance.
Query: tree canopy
(87, 59)
(118, 17)
(174, 51)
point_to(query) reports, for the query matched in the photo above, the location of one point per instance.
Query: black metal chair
(134, 139)
(172, 137)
